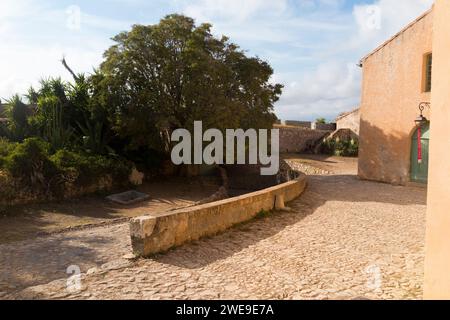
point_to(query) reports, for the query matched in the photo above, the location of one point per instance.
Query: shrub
(17, 128)
(340, 148)
(37, 173)
(29, 163)
(4, 131)
(6, 147)
(89, 168)
(321, 120)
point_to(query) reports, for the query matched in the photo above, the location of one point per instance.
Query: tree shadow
(26, 264)
(320, 189)
(27, 221)
(46, 259)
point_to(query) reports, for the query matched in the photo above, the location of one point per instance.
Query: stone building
(396, 80)
(437, 248)
(349, 121)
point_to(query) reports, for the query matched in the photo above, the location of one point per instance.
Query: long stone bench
(154, 234)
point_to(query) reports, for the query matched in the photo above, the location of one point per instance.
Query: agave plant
(95, 137)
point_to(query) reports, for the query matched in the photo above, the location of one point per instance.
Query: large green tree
(161, 77)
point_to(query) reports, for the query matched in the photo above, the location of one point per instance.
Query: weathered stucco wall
(153, 234)
(437, 249)
(296, 140)
(349, 121)
(391, 92)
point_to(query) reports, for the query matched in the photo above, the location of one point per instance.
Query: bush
(4, 131)
(29, 163)
(6, 147)
(34, 171)
(17, 127)
(340, 148)
(87, 168)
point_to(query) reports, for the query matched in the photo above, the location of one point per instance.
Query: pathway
(344, 239)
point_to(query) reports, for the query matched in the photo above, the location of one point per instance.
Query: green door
(419, 171)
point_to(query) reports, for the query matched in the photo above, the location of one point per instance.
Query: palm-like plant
(17, 113)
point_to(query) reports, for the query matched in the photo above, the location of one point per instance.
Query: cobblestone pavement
(344, 239)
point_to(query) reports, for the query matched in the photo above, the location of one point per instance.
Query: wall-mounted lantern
(421, 120)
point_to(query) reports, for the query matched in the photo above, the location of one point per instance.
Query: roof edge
(345, 114)
(408, 26)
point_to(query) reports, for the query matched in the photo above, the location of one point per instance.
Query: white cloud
(36, 36)
(329, 89)
(232, 10)
(313, 45)
(334, 86)
(393, 16)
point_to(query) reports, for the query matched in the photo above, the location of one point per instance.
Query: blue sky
(313, 45)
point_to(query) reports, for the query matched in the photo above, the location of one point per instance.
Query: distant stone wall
(301, 124)
(323, 126)
(297, 140)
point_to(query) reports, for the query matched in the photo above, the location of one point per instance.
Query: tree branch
(63, 61)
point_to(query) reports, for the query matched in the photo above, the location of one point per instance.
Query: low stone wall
(297, 140)
(154, 234)
(324, 126)
(12, 193)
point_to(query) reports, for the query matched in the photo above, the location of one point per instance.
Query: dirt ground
(28, 221)
(344, 239)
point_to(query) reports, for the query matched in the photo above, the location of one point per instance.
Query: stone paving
(344, 239)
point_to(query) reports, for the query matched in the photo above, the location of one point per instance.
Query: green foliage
(29, 163)
(17, 113)
(321, 120)
(89, 168)
(340, 148)
(263, 214)
(154, 79)
(55, 131)
(4, 130)
(6, 147)
(162, 77)
(95, 138)
(57, 112)
(36, 169)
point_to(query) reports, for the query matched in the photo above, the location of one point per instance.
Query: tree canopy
(162, 77)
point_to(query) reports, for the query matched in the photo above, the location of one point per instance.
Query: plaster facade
(392, 89)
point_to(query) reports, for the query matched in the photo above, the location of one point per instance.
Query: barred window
(428, 72)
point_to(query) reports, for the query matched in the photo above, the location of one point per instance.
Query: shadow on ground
(48, 259)
(321, 189)
(27, 221)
